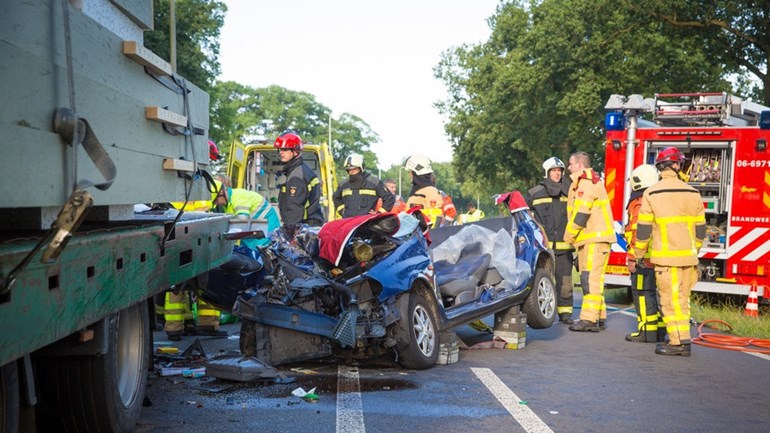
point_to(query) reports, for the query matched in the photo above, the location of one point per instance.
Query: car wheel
(418, 333)
(540, 306)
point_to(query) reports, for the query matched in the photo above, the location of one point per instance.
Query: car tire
(418, 332)
(540, 306)
(102, 392)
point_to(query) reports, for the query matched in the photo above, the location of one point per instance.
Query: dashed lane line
(350, 414)
(511, 402)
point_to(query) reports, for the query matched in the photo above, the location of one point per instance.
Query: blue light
(614, 121)
(764, 120)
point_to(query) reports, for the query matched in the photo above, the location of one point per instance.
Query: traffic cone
(752, 304)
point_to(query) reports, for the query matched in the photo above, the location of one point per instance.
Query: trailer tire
(418, 329)
(540, 306)
(9, 398)
(99, 392)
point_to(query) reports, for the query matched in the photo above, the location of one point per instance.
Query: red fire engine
(725, 140)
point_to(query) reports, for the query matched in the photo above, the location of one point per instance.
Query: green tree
(198, 25)
(538, 86)
(735, 32)
(246, 114)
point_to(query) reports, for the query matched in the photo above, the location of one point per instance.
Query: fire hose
(730, 342)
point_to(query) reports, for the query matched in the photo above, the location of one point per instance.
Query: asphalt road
(561, 381)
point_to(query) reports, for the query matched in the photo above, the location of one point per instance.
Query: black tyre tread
(77, 396)
(9, 398)
(535, 318)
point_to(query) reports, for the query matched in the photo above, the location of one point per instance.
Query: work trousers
(564, 283)
(178, 310)
(645, 297)
(592, 259)
(674, 287)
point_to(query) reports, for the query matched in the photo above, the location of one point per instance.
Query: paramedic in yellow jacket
(424, 192)
(590, 230)
(672, 226)
(244, 204)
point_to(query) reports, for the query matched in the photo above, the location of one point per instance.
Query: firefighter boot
(643, 337)
(602, 324)
(566, 318)
(584, 326)
(662, 333)
(673, 350)
(174, 335)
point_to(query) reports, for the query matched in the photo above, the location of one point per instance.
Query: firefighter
(178, 315)
(548, 201)
(590, 230)
(672, 227)
(424, 193)
(359, 195)
(244, 204)
(299, 199)
(643, 287)
(473, 214)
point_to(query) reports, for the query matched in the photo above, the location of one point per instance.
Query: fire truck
(724, 139)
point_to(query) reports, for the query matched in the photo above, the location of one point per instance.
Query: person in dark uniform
(360, 193)
(300, 195)
(548, 201)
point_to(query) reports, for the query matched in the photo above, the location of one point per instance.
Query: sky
(373, 59)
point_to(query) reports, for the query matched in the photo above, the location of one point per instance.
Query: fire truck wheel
(540, 306)
(101, 392)
(9, 398)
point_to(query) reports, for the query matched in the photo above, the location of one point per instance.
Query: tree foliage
(538, 86)
(246, 114)
(735, 32)
(198, 25)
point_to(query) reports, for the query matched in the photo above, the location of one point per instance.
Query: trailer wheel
(540, 306)
(418, 330)
(9, 398)
(100, 392)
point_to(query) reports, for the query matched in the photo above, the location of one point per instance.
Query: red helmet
(213, 151)
(288, 140)
(668, 156)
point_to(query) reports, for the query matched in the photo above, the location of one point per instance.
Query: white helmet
(553, 162)
(419, 164)
(354, 160)
(644, 176)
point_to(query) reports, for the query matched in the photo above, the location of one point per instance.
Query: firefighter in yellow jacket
(424, 193)
(672, 226)
(590, 230)
(650, 327)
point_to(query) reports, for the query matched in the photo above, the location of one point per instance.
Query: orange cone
(752, 304)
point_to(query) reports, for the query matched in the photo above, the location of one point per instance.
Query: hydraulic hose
(730, 342)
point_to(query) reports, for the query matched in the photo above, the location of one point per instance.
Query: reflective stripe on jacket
(551, 212)
(588, 209)
(672, 223)
(361, 197)
(430, 201)
(299, 199)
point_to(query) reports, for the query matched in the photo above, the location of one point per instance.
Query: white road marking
(511, 402)
(350, 414)
(759, 355)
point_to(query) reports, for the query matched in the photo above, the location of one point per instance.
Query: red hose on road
(730, 342)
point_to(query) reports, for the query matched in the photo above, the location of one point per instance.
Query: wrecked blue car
(366, 286)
